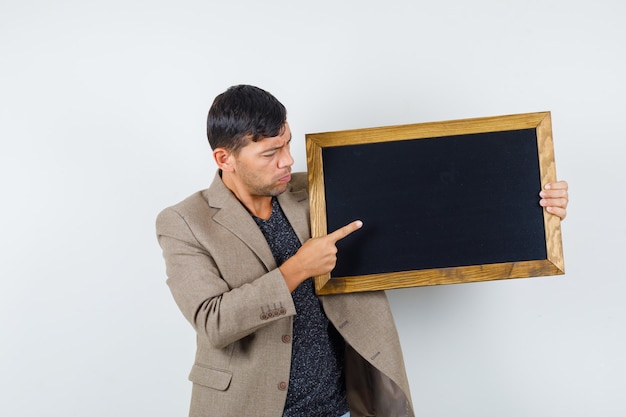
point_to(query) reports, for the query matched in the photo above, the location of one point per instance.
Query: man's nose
(286, 160)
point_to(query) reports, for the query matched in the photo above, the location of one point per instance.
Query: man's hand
(316, 256)
(554, 198)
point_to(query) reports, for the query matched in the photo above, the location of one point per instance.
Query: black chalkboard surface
(459, 206)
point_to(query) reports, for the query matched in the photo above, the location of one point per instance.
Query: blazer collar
(295, 205)
(233, 216)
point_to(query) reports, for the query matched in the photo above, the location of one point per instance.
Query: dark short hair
(241, 113)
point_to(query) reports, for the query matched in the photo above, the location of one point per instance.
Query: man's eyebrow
(278, 147)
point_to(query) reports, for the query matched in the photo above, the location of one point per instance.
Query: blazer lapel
(295, 206)
(234, 217)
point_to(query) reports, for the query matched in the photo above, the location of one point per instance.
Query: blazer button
(282, 386)
(286, 338)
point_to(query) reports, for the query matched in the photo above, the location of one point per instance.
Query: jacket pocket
(218, 379)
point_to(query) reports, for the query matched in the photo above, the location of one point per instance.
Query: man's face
(264, 167)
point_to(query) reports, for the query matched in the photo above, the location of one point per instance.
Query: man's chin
(279, 190)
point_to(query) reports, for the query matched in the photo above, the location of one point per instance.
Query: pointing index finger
(345, 231)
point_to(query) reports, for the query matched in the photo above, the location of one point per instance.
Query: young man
(239, 256)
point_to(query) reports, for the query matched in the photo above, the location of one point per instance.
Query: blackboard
(441, 203)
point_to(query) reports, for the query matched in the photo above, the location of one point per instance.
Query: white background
(102, 113)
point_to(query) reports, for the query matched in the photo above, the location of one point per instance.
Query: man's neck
(259, 206)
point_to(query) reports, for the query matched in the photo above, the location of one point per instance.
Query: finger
(555, 190)
(558, 185)
(558, 202)
(551, 198)
(345, 230)
(557, 211)
(554, 194)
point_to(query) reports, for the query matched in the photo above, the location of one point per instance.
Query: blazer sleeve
(218, 310)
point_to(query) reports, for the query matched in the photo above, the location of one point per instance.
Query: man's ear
(223, 158)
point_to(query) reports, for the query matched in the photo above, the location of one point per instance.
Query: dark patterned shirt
(316, 380)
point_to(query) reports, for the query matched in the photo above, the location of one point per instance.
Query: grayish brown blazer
(225, 281)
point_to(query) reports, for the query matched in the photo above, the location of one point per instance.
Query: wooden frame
(481, 159)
